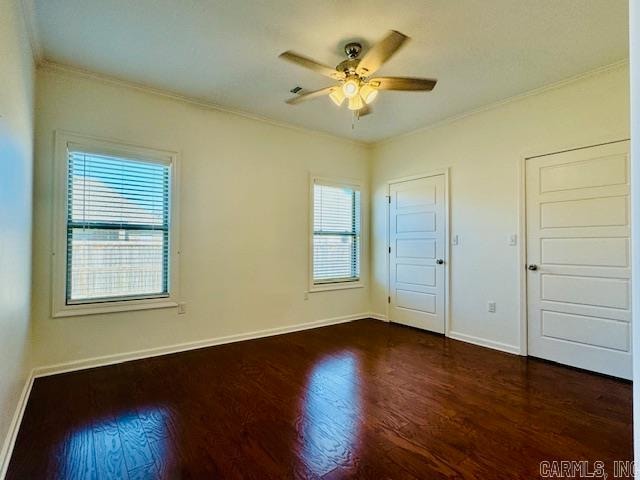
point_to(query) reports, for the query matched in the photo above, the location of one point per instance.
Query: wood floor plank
(80, 455)
(144, 472)
(108, 449)
(135, 446)
(364, 399)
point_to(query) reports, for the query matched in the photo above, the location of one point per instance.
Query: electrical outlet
(491, 307)
(306, 295)
(182, 308)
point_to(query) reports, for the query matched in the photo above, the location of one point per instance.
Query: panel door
(416, 258)
(579, 274)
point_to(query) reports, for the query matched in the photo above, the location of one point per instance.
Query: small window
(336, 233)
(117, 228)
(116, 233)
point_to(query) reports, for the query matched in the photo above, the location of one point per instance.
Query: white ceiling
(226, 51)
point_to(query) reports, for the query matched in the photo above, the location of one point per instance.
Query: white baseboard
(182, 347)
(483, 342)
(14, 426)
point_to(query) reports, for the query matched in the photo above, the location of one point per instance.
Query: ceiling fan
(353, 75)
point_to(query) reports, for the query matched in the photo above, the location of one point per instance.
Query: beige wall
(483, 152)
(16, 162)
(243, 211)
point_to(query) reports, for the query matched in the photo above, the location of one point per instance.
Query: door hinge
(388, 299)
(389, 199)
(389, 249)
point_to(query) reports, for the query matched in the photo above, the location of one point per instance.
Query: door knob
(533, 267)
(440, 261)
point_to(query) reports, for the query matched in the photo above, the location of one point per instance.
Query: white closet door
(416, 266)
(579, 274)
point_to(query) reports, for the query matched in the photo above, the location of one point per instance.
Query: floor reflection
(131, 441)
(329, 425)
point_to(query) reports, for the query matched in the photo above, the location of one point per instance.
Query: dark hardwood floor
(359, 400)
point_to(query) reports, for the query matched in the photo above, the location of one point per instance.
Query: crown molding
(28, 8)
(515, 98)
(47, 65)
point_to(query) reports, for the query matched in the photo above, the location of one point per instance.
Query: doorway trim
(522, 228)
(447, 289)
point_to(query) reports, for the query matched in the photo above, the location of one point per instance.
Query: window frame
(339, 284)
(63, 142)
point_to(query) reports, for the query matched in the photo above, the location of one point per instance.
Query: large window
(336, 233)
(117, 228)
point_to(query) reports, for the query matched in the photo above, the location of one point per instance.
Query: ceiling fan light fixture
(354, 79)
(356, 103)
(350, 88)
(337, 96)
(368, 93)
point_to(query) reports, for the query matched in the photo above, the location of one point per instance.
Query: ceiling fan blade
(403, 83)
(366, 110)
(311, 65)
(380, 53)
(310, 95)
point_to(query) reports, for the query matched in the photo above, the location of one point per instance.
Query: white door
(578, 277)
(417, 225)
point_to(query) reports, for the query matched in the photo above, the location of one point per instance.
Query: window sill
(128, 306)
(335, 286)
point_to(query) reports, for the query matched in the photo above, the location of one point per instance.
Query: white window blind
(336, 233)
(117, 228)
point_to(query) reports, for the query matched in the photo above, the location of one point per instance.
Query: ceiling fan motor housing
(352, 49)
(348, 66)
